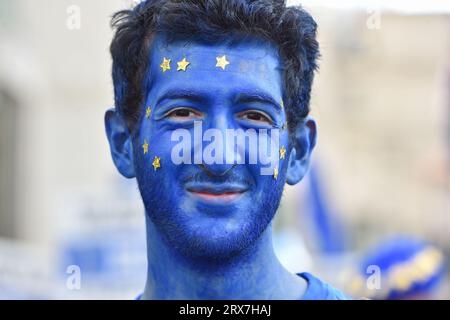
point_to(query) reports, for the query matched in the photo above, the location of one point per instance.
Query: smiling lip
(216, 193)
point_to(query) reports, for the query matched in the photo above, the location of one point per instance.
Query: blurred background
(378, 192)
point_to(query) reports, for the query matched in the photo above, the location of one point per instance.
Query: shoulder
(319, 290)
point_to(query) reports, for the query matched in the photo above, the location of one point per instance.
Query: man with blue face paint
(192, 79)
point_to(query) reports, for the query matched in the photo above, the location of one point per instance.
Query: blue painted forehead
(247, 54)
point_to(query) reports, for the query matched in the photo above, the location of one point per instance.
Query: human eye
(255, 116)
(183, 114)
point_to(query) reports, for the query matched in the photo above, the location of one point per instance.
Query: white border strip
(399, 6)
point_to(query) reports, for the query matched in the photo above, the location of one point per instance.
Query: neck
(255, 274)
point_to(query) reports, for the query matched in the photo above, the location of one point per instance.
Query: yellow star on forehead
(222, 62)
(148, 112)
(275, 173)
(165, 65)
(282, 152)
(282, 104)
(145, 147)
(156, 163)
(183, 64)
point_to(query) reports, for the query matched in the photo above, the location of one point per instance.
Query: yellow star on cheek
(275, 173)
(145, 147)
(148, 112)
(222, 62)
(183, 64)
(156, 163)
(165, 65)
(282, 152)
(284, 126)
(282, 104)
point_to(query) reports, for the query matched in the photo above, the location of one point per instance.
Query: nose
(217, 170)
(229, 156)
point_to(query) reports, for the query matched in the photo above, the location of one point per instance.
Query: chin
(205, 237)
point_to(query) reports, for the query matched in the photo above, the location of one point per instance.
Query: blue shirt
(319, 290)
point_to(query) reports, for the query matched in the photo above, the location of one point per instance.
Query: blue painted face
(209, 209)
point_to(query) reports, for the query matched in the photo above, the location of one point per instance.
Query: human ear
(120, 143)
(304, 141)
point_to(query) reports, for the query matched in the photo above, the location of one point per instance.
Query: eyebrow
(261, 97)
(174, 94)
(199, 97)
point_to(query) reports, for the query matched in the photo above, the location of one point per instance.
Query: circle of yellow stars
(221, 62)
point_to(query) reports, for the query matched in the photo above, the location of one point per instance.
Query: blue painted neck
(254, 274)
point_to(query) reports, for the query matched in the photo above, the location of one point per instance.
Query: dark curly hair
(291, 29)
